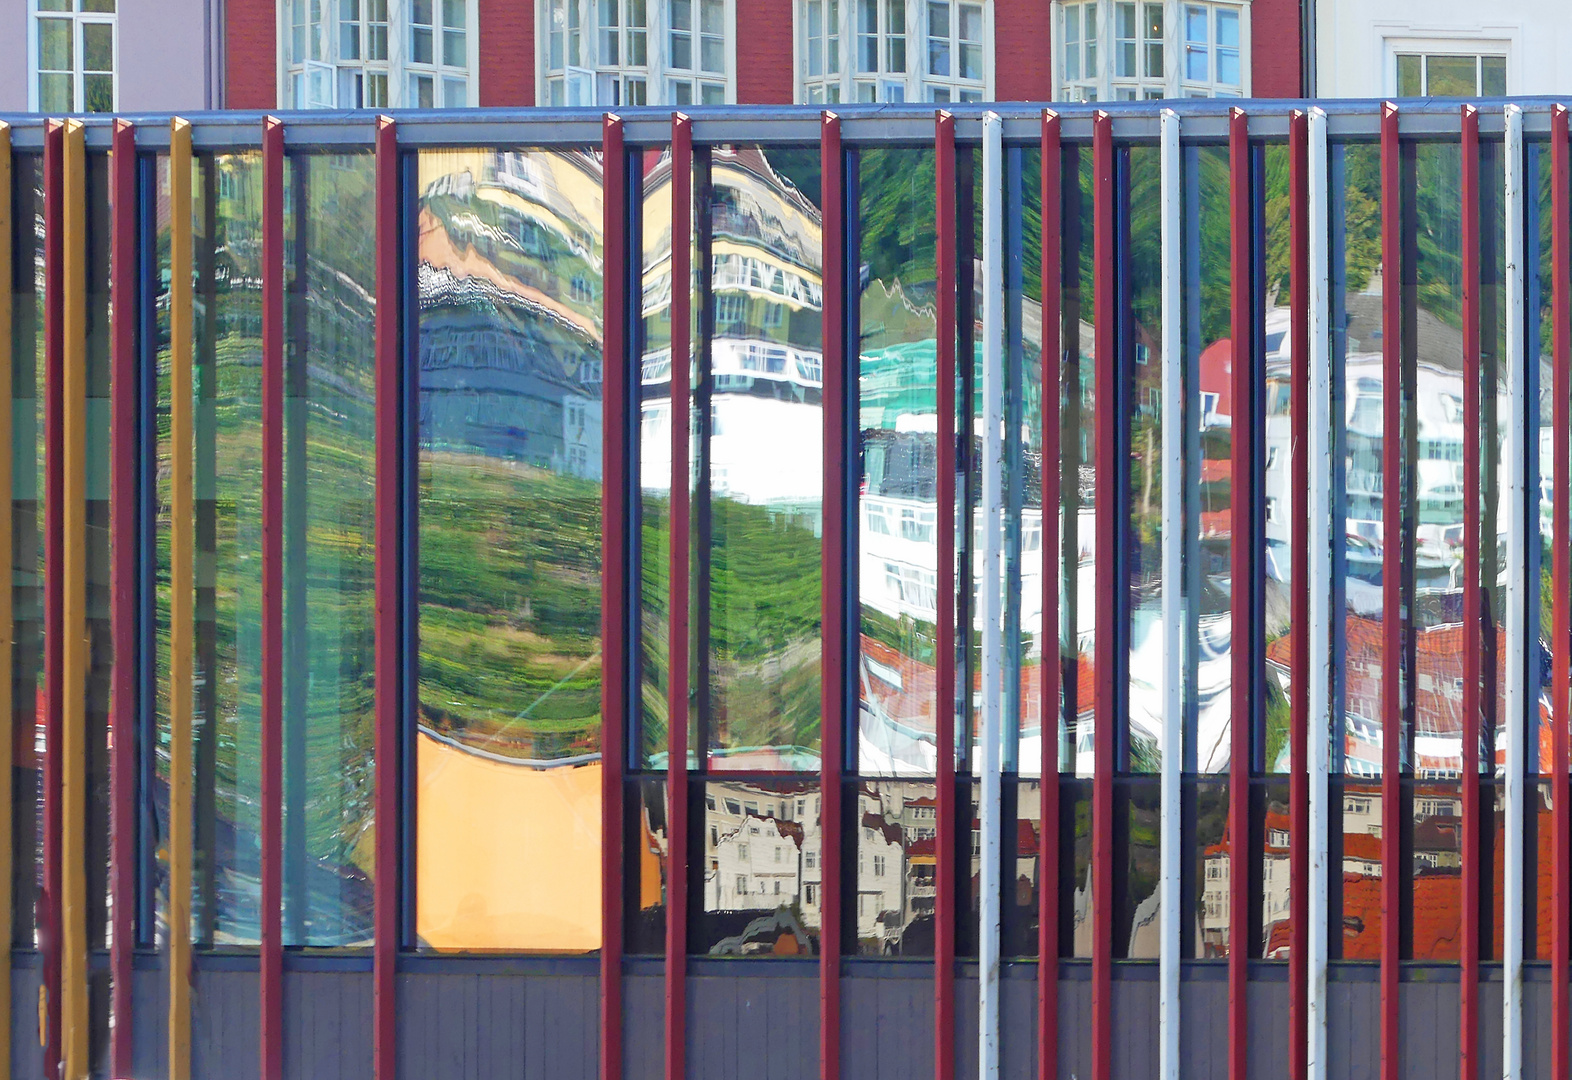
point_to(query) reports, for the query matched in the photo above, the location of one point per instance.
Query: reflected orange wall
(508, 856)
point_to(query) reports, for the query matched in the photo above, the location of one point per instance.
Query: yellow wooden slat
(73, 623)
(7, 636)
(181, 594)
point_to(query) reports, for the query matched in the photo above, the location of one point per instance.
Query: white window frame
(399, 66)
(1106, 85)
(1393, 44)
(595, 81)
(913, 84)
(78, 19)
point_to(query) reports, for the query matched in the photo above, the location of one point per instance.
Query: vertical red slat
(1391, 578)
(48, 912)
(832, 611)
(1299, 681)
(1242, 592)
(272, 650)
(122, 587)
(389, 366)
(1048, 839)
(677, 674)
(1468, 996)
(944, 722)
(1105, 646)
(1561, 569)
(614, 586)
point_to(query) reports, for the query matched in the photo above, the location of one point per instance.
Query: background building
(100, 55)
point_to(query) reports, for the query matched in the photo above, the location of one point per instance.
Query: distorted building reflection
(507, 757)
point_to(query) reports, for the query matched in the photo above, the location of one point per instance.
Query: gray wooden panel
(225, 1013)
(27, 1057)
(762, 1027)
(1266, 1012)
(150, 1024)
(1353, 1030)
(327, 1025)
(887, 1024)
(1537, 1034)
(1135, 1041)
(1075, 1028)
(457, 1026)
(1428, 1036)
(1018, 1026)
(1490, 1027)
(1203, 1028)
(643, 1026)
(967, 1048)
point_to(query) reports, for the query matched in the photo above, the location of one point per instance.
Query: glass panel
(1210, 353)
(1137, 902)
(1270, 825)
(1452, 76)
(1077, 468)
(646, 851)
(420, 46)
(453, 51)
(1211, 865)
(1072, 38)
(938, 38)
(1439, 570)
(896, 844)
(454, 13)
(1358, 843)
(764, 513)
(1492, 76)
(1075, 868)
(98, 46)
(107, 6)
(1436, 857)
(1277, 472)
(1023, 870)
(508, 820)
(228, 431)
(55, 45)
(54, 5)
(328, 554)
(55, 94)
(898, 545)
(1357, 422)
(1148, 644)
(762, 864)
(1408, 81)
(26, 296)
(98, 93)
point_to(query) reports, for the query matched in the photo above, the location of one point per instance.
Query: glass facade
(528, 696)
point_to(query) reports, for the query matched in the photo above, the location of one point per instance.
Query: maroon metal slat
(270, 914)
(1468, 996)
(1048, 838)
(122, 587)
(389, 365)
(614, 586)
(1391, 579)
(48, 911)
(1561, 570)
(1105, 692)
(944, 717)
(1299, 681)
(677, 649)
(1242, 592)
(832, 609)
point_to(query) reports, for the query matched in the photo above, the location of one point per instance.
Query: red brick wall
(1275, 49)
(250, 55)
(507, 52)
(1022, 47)
(764, 52)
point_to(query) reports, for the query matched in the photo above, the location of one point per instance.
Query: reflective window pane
(1436, 859)
(508, 820)
(897, 511)
(329, 485)
(762, 866)
(227, 382)
(896, 845)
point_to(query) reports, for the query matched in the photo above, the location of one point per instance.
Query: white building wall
(1356, 41)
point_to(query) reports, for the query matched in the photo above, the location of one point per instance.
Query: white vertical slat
(1517, 702)
(1320, 628)
(992, 596)
(1173, 601)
